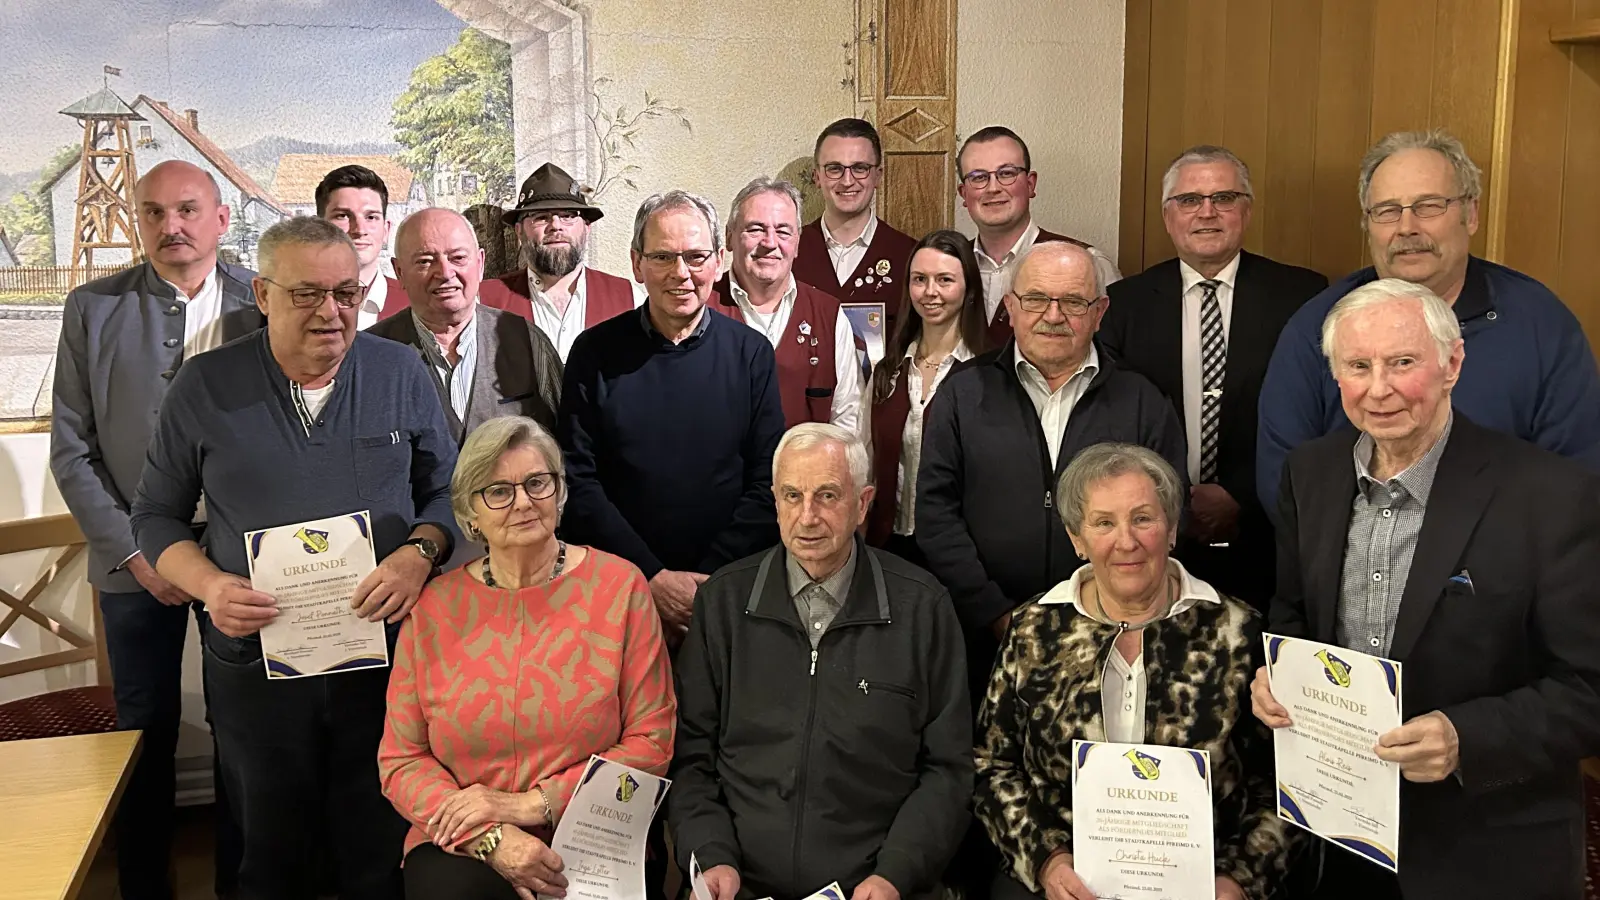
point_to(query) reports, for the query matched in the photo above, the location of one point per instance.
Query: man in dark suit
(1467, 555)
(1202, 327)
(356, 199)
(123, 338)
(484, 362)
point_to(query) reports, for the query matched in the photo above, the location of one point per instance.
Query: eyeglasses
(553, 215)
(1426, 208)
(1069, 305)
(538, 486)
(694, 259)
(978, 179)
(347, 296)
(1221, 201)
(835, 171)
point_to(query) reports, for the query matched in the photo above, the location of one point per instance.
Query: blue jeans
(144, 639)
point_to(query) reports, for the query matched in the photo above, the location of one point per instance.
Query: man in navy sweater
(1529, 371)
(669, 419)
(304, 420)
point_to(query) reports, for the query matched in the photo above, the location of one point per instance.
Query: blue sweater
(230, 426)
(669, 446)
(1528, 372)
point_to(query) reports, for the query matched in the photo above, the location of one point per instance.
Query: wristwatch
(425, 546)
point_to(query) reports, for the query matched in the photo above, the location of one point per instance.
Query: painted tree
(27, 213)
(455, 116)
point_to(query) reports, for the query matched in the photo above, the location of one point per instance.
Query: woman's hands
(531, 867)
(475, 806)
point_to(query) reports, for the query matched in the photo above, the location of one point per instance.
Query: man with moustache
(123, 340)
(669, 418)
(485, 362)
(997, 186)
(1202, 327)
(306, 419)
(552, 219)
(819, 375)
(1529, 370)
(356, 199)
(849, 252)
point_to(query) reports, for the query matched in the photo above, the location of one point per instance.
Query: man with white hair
(1467, 555)
(824, 726)
(1532, 372)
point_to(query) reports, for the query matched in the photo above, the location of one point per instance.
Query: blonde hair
(481, 453)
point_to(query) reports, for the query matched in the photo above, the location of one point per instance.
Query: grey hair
(655, 204)
(1056, 247)
(762, 185)
(1101, 461)
(300, 230)
(814, 434)
(1469, 182)
(1442, 324)
(1204, 153)
(481, 453)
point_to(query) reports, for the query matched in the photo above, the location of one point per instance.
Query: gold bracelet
(487, 843)
(544, 798)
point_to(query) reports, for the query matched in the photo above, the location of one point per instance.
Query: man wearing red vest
(849, 252)
(819, 379)
(997, 185)
(552, 219)
(356, 199)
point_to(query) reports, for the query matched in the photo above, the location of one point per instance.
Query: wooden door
(906, 84)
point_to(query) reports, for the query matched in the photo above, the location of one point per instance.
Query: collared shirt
(997, 275)
(1193, 297)
(698, 332)
(202, 316)
(905, 497)
(1385, 521)
(818, 602)
(846, 257)
(1055, 407)
(1123, 684)
(846, 409)
(372, 307)
(562, 327)
(456, 378)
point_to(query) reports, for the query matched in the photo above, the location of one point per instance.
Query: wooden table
(56, 799)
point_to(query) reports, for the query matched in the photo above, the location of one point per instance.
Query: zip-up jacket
(799, 767)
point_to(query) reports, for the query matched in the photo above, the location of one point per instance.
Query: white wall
(1051, 70)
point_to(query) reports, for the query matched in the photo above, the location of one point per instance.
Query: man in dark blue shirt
(1529, 371)
(669, 418)
(304, 420)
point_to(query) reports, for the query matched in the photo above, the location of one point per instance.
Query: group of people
(676, 524)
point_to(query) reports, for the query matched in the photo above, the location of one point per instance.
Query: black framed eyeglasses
(835, 171)
(978, 179)
(347, 296)
(1426, 208)
(694, 259)
(538, 486)
(1221, 201)
(1070, 305)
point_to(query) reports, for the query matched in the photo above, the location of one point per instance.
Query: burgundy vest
(807, 376)
(1000, 325)
(395, 301)
(888, 427)
(604, 295)
(888, 256)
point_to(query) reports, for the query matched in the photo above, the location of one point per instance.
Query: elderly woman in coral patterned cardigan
(509, 673)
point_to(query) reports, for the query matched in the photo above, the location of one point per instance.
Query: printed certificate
(601, 837)
(1141, 821)
(1330, 782)
(313, 569)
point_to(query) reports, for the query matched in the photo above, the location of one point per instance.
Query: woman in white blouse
(945, 291)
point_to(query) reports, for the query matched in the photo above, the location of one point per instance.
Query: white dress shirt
(202, 316)
(1055, 407)
(562, 327)
(369, 310)
(846, 409)
(997, 275)
(1193, 295)
(457, 378)
(846, 257)
(1123, 685)
(905, 497)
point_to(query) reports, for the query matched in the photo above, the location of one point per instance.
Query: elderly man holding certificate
(1134, 650)
(329, 451)
(1467, 556)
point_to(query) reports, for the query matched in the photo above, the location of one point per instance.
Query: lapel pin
(882, 268)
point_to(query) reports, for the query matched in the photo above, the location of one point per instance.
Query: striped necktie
(1213, 366)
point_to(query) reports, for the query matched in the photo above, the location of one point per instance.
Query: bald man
(123, 338)
(484, 362)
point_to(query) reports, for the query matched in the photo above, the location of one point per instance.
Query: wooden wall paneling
(1135, 116)
(1579, 282)
(1205, 98)
(1494, 205)
(1344, 110)
(1291, 130)
(1248, 65)
(1537, 143)
(1466, 39)
(1403, 49)
(1169, 50)
(917, 113)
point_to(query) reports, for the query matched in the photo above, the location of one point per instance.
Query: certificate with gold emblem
(313, 569)
(1330, 782)
(1141, 821)
(601, 837)
(869, 322)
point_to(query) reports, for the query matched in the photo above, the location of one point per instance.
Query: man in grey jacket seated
(824, 725)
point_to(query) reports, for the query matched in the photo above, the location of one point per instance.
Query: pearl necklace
(555, 571)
